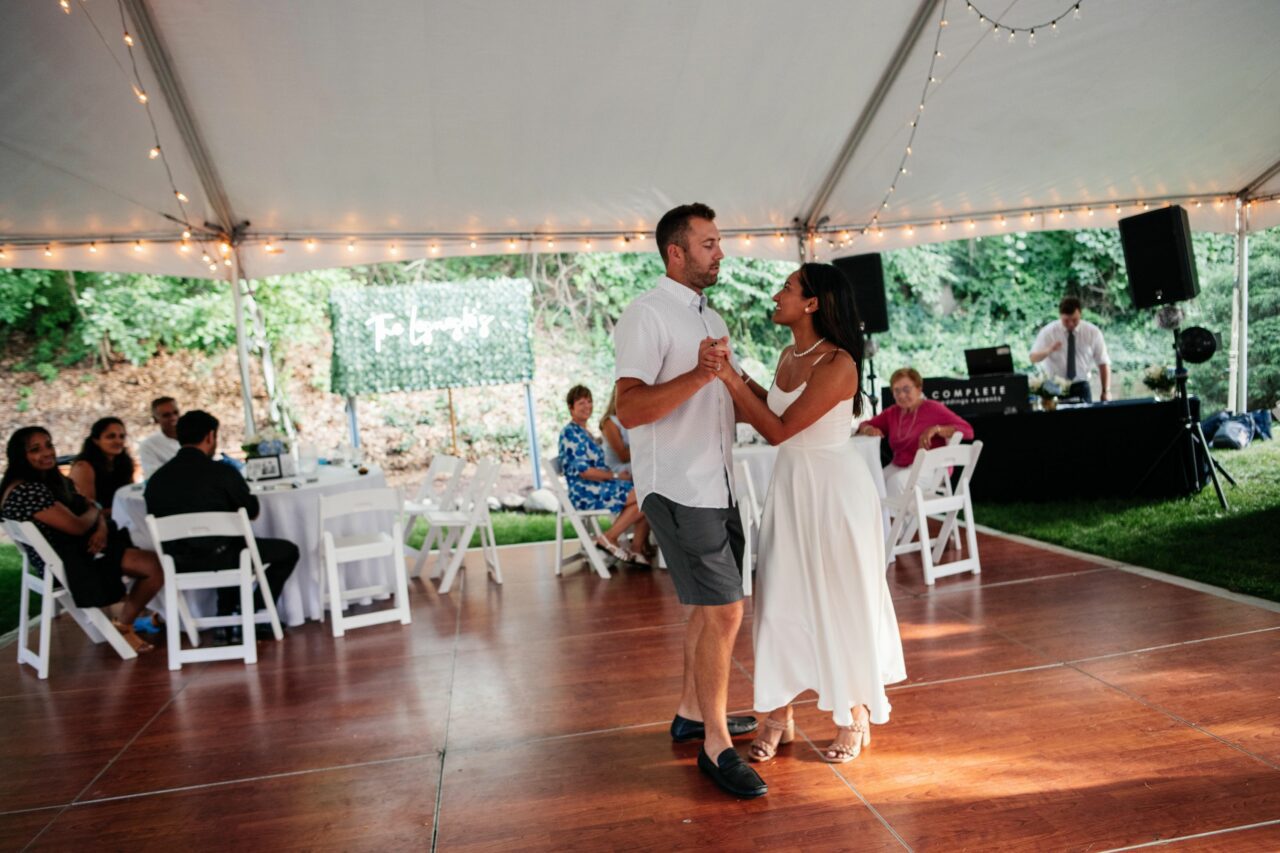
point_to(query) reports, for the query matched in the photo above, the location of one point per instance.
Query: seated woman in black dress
(94, 552)
(104, 463)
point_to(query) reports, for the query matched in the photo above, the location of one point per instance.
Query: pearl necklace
(795, 354)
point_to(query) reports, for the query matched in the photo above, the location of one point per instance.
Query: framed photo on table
(263, 468)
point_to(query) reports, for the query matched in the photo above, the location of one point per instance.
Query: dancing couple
(824, 620)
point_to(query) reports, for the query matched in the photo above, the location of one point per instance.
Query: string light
(128, 39)
(351, 245)
(139, 94)
(269, 247)
(137, 246)
(181, 196)
(972, 225)
(186, 234)
(587, 244)
(395, 250)
(213, 267)
(226, 262)
(208, 260)
(154, 152)
(93, 248)
(225, 248)
(66, 6)
(434, 249)
(473, 244)
(551, 244)
(997, 26)
(48, 251)
(3, 256)
(184, 247)
(310, 245)
(511, 245)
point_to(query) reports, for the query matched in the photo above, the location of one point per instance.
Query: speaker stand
(1190, 434)
(870, 390)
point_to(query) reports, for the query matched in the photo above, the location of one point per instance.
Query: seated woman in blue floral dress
(592, 485)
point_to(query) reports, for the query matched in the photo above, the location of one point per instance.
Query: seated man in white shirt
(1071, 348)
(160, 447)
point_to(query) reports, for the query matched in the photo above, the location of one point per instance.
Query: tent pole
(534, 451)
(1240, 312)
(242, 346)
(353, 423)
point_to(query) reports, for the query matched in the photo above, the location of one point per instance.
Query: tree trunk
(104, 346)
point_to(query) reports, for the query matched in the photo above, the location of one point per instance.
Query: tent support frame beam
(1260, 181)
(887, 79)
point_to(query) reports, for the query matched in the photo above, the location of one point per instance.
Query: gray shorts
(702, 547)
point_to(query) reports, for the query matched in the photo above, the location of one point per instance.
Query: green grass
(10, 574)
(1189, 537)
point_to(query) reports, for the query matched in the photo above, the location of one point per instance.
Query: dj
(1071, 347)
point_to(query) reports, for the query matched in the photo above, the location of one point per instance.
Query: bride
(824, 620)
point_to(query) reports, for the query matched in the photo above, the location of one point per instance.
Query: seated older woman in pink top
(911, 423)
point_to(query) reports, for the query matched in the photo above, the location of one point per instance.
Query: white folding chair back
(749, 511)
(428, 497)
(451, 529)
(90, 619)
(373, 544)
(196, 525)
(928, 493)
(585, 522)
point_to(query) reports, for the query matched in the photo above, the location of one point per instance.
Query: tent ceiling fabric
(388, 121)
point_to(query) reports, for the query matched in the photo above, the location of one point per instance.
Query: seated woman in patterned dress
(592, 485)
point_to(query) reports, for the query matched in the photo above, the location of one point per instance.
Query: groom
(681, 421)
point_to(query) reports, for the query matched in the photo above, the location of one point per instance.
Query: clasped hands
(714, 354)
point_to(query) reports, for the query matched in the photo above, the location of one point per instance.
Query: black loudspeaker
(1159, 257)
(866, 274)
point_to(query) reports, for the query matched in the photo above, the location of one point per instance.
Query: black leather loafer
(684, 729)
(732, 774)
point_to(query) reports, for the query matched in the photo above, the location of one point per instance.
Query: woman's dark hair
(837, 317)
(108, 475)
(576, 393)
(18, 469)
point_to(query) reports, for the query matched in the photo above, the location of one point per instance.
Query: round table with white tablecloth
(759, 459)
(289, 509)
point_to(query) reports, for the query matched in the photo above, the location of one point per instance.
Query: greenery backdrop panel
(431, 335)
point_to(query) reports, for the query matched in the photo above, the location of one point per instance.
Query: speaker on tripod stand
(1162, 271)
(866, 274)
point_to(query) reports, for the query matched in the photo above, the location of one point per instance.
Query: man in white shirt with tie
(1071, 347)
(681, 421)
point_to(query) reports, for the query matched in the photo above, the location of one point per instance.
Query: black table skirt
(1103, 450)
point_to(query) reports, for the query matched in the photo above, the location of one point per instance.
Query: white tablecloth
(292, 513)
(760, 458)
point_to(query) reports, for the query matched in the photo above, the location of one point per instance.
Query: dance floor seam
(534, 715)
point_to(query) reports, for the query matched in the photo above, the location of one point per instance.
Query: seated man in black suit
(192, 482)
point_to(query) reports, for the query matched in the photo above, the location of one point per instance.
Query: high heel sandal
(761, 749)
(614, 551)
(842, 753)
(131, 637)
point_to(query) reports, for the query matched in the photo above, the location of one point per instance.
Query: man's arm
(1104, 373)
(237, 490)
(640, 403)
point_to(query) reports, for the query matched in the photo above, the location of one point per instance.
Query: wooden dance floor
(1056, 703)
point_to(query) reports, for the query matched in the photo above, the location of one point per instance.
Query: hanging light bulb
(93, 248)
(551, 243)
(1197, 202)
(587, 244)
(473, 244)
(186, 234)
(213, 267)
(184, 247)
(747, 239)
(351, 245)
(910, 231)
(1001, 221)
(205, 257)
(781, 239)
(902, 171)
(1013, 35)
(154, 152)
(942, 225)
(310, 245)
(181, 196)
(434, 249)
(1117, 210)
(972, 225)
(269, 247)
(3, 256)
(137, 246)
(66, 6)
(1089, 211)
(140, 95)
(1031, 217)
(1031, 39)
(1061, 215)
(395, 250)
(226, 262)
(511, 245)
(1076, 13)
(128, 39)
(225, 248)
(48, 251)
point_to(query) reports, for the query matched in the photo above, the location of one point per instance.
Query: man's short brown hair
(160, 401)
(1069, 305)
(673, 227)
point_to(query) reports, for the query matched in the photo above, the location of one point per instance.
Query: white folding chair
(922, 498)
(941, 486)
(90, 619)
(197, 525)
(428, 497)
(749, 511)
(585, 522)
(455, 527)
(375, 544)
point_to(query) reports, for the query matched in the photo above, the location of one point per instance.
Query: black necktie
(1071, 354)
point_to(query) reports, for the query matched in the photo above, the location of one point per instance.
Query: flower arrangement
(266, 442)
(1048, 386)
(1158, 378)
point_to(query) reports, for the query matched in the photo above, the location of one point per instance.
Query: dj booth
(1094, 450)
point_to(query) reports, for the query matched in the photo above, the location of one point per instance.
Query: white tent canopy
(346, 133)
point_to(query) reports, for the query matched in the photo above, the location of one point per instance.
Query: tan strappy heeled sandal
(131, 637)
(842, 753)
(762, 749)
